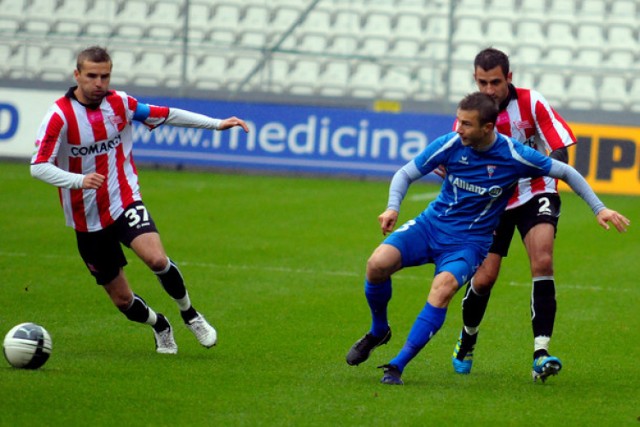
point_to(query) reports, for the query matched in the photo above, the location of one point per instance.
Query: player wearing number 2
(534, 209)
(84, 147)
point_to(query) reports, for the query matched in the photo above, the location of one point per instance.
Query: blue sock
(429, 321)
(378, 297)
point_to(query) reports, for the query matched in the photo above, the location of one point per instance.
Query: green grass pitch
(277, 264)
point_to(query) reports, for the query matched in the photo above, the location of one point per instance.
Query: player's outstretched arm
(233, 122)
(619, 221)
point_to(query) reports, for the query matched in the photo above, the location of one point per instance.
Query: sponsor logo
(493, 191)
(100, 147)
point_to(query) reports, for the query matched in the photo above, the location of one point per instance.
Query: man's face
(493, 83)
(93, 81)
(472, 134)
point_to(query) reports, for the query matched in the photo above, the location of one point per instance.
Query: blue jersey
(478, 184)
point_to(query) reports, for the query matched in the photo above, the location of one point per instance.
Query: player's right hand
(387, 220)
(92, 181)
(619, 221)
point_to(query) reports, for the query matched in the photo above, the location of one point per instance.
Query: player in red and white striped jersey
(84, 147)
(526, 116)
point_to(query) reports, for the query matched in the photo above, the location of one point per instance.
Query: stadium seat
(589, 36)
(283, 18)
(39, 16)
(623, 13)
(365, 80)
(468, 30)
(209, 72)
(312, 42)
(165, 20)
(56, 63)
(374, 46)
(530, 33)
(634, 95)
(461, 83)
(408, 25)
(428, 84)
(199, 22)
(591, 11)
(560, 34)
(613, 94)
(581, 92)
(404, 48)
(130, 19)
(552, 87)
(346, 20)
(303, 77)
(343, 44)
(275, 73)
(527, 55)
(561, 11)
(376, 24)
(396, 84)
(500, 32)
(224, 24)
(240, 69)
(621, 38)
(558, 56)
(98, 22)
(334, 79)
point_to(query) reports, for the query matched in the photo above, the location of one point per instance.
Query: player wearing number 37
(84, 147)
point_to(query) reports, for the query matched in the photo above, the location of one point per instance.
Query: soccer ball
(27, 346)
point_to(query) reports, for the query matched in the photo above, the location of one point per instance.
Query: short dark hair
(485, 105)
(490, 58)
(93, 54)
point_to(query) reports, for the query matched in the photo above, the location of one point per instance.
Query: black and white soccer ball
(27, 346)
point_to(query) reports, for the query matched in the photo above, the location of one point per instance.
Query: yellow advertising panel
(608, 157)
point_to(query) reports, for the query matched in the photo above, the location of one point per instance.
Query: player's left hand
(232, 122)
(618, 220)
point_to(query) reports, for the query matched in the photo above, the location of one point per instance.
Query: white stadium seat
(613, 94)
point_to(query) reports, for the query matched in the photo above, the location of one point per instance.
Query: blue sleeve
(435, 153)
(142, 112)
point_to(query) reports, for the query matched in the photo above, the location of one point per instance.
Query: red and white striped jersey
(82, 140)
(529, 118)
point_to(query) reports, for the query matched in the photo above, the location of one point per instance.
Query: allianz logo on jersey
(99, 147)
(493, 191)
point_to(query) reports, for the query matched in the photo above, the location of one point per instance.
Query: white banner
(21, 111)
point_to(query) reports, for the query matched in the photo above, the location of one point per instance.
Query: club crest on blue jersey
(491, 169)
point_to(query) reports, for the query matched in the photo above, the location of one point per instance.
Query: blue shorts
(420, 243)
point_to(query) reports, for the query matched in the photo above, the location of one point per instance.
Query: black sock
(543, 306)
(473, 307)
(138, 311)
(188, 314)
(172, 281)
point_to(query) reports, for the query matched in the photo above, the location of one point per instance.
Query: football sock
(173, 283)
(473, 307)
(378, 297)
(429, 321)
(139, 311)
(543, 311)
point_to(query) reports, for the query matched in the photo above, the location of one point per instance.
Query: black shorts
(542, 208)
(101, 250)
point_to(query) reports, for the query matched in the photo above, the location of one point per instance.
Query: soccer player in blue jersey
(455, 231)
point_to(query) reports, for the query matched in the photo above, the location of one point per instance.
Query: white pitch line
(421, 197)
(289, 270)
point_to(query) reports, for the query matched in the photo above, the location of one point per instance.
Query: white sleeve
(184, 118)
(53, 175)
